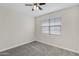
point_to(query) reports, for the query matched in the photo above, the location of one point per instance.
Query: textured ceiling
(49, 7)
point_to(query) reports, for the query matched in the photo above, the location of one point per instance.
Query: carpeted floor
(37, 49)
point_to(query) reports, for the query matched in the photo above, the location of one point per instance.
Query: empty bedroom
(39, 29)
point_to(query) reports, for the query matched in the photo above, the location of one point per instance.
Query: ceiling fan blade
(42, 3)
(40, 8)
(28, 4)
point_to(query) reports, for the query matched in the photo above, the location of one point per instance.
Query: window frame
(49, 31)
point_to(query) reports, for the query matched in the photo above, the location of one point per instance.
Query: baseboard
(15, 46)
(61, 47)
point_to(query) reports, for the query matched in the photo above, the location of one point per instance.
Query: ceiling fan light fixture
(35, 7)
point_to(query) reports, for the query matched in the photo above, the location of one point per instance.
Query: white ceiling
(49, 7)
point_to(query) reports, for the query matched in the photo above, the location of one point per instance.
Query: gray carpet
(37, 49)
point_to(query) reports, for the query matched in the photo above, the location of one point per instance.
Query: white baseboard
(60, 47)
(14, 46)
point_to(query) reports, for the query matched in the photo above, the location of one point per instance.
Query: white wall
(69, 37)
(16, 28)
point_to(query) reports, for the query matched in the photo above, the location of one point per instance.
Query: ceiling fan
(36, 6)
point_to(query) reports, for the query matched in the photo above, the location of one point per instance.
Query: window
(45, 26)
(51, 26)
